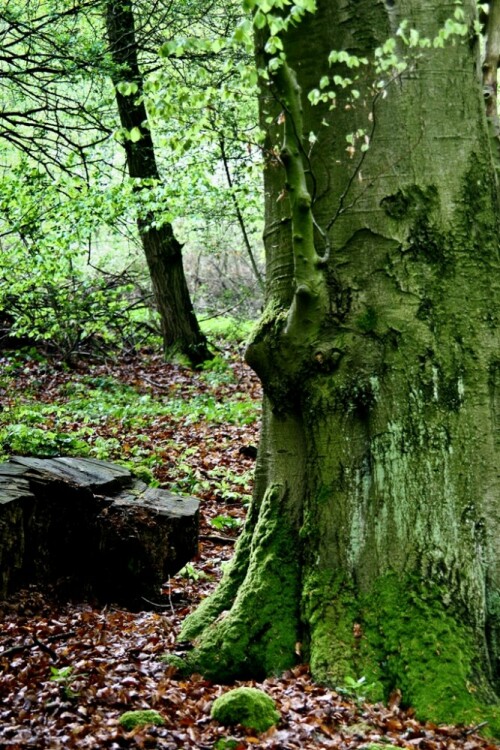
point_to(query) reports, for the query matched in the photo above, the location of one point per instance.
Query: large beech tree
(371, 547)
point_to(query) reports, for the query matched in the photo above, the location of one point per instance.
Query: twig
(159, 606)
(45, 649)
(476, 728)
(217, 538)
(170, 596)
(37, 642)
(155, 385)
(239, 215)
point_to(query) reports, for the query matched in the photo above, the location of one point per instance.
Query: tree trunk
(180, 330)
(372, 541)
(490, 64)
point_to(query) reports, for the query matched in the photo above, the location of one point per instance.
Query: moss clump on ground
(246, 706)
(132, 719)
(176, 661)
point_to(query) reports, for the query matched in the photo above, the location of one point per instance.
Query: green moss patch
(410, 202)
(427, 650)
(249, 707)
(132, 719)
(409, 638)
(179, 663)
(256, 635)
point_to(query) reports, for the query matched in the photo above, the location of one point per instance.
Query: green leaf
(314, 96)
(167, 49)
(259, 20)
(218, 45)
(275, 63)
(60, 674)
(276, 25)
(243, 32)
(414, 37)
(265, 6)
(273, 45)
(127, 88)
(307, 5)
(135, 135)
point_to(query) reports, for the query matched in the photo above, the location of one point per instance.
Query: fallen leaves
(108, 662)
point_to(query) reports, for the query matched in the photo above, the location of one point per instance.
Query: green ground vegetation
(100, 416)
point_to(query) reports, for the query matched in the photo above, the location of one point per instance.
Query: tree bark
(180, 330)
(372, 539)
(490, 64)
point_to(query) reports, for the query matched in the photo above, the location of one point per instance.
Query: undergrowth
(95, 414)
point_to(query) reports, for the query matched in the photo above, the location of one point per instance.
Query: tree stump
(91, 527)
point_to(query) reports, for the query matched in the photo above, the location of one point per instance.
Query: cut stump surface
(91, 527)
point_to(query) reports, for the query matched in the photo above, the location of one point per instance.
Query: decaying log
(91, 526)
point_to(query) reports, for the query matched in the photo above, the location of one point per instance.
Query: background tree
(59, 116)
(371, 545)
(180, 330)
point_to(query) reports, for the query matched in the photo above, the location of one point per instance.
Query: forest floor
(70, 669)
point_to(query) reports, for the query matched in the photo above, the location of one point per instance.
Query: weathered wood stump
(91, 526)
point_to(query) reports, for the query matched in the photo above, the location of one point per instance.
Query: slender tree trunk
(371, 546)
(180, 330)
(239, 215)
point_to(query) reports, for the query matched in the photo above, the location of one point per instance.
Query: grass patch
(228, 328)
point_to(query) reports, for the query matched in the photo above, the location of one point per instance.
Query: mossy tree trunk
(371, 547)
(180, 329)
(490, 64)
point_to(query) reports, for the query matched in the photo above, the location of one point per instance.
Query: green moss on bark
(335, 648)
(256, 635)
(222, 598)
(493, 634)
(402, 634)
(410, 202)
(478, 211)
(426, 242)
